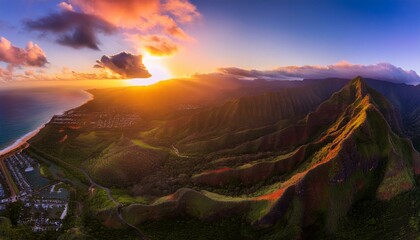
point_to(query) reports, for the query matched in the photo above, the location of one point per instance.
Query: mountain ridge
(311, 191)
(292, 171)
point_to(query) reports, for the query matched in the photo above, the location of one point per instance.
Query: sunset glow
(156, 67)
(144, 41)
(209, 119)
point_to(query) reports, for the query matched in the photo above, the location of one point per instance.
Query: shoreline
(19, 143)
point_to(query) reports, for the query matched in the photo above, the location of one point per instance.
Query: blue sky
(270, 33)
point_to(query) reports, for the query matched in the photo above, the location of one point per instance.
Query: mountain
(257, 159)
(174, 95)
(135, 153)
(406, 98)
(356, 155)
(244, 118)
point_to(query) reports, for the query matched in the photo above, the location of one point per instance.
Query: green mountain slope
(357, 156)
(406, 99)
(148, 150)
(281, 163)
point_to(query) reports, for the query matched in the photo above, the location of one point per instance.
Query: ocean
(24, 110)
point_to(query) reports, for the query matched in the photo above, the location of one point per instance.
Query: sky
(143, 41)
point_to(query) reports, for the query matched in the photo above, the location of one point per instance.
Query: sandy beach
(21, 143)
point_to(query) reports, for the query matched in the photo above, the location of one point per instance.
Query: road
(119, 205)
(7, 176)
(45, 187)
(141, 236)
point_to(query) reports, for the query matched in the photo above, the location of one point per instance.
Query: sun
(157, 69)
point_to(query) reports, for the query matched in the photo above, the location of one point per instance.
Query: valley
(281, 162)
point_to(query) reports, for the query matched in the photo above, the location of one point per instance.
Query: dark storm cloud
(74, 29)
(125, 64)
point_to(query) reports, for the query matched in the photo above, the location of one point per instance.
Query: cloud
(182, 10)
(157, 45)
(32, 55)
(142, 14)
(91, 76)
(123, 13)
(22, 75)
(78, 22)
(380, 71)
(171, 28)
(4, 75)
(124, 64)
(65, 6)
(74, 29)
(120, 66)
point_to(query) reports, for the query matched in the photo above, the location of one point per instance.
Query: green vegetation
(397, 218)
(95, 229)
(211, 172)
(79, 145)
(12, 212)
(99, 201)
(123, 163)
(142, 144)
(124, 198)
(186, 228)
(70, 171)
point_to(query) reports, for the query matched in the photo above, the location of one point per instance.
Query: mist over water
(24, 110)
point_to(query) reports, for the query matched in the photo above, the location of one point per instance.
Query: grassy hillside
(406, 99)
(360, 158)
(149, 156)
(285, 162)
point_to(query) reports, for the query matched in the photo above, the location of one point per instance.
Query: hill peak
(360, 86)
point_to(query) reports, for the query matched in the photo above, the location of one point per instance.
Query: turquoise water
(25, 110)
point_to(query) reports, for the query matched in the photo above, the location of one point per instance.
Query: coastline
(19, 143)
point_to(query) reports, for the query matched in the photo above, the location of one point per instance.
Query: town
(96, 120)
(44, 202)
(4, 192)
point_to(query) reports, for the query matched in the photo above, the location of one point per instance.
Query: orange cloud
(79, 22)
(27, 75)
(170, 27)
(65, 6)
(32, 55)
(182, 10)
(156, 24)
(103, 75)
(157, 45)
(123, 13)
(7, 74)
(143, 15)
